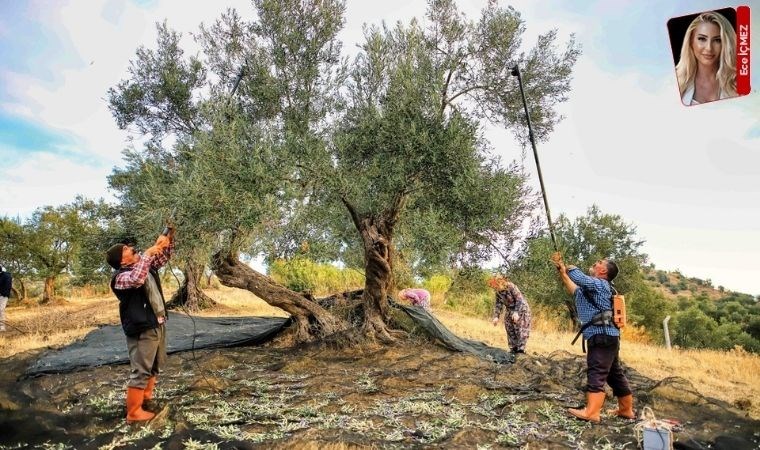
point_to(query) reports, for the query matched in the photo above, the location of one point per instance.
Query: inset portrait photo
(704, 47)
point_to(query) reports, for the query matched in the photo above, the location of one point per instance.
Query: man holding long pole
(603, 363)
(516, 72)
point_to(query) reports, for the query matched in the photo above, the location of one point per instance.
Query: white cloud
(75, 102)
(45, 179)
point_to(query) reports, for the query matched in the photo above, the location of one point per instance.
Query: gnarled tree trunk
(49, 293)
(378, 271)
(234, 273)
(20, 294)
(377, 236)
(190, 295)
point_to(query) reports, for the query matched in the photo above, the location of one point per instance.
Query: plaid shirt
(136, 276)
(598, 290)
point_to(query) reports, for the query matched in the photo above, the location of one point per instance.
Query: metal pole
(667, 334)
(516, 73)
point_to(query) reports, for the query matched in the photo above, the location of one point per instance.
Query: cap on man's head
(113, 256)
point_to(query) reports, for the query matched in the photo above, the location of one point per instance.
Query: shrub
(728, 335)
(753, 327)
(471, 304)
(693, 328)
(301, 274)
(437, 284)
(470, 280)
(635, 333)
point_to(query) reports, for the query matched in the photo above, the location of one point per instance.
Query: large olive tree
(363, 160)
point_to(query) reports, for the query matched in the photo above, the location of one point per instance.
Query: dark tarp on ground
(437, 330)
(107, 345)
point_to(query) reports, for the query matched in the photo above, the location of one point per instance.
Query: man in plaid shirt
(593, 295)
(142, 311)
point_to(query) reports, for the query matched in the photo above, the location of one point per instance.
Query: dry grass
(33, 327)
(728, 376)
(237, 302)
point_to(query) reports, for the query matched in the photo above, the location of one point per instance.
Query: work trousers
(603, 362)
(3, 304)
(519, 331)
(147, 355)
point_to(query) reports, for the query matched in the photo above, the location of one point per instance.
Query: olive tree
(360, 161)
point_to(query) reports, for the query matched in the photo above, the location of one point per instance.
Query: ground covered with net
(414, 394)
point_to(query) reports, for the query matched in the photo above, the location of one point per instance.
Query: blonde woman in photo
(706, 70)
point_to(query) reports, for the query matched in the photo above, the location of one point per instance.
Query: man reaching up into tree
(142, 311)
(593, 295)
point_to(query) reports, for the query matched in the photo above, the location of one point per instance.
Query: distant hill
(675, 284)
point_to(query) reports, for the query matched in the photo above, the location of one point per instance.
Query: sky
(688, 178)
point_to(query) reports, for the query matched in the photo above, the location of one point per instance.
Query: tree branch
(444, 91)
(399, 201)
(352, 212)
(464, 91)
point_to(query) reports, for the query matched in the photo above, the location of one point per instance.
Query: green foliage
(301, 274)
(468, 291)
(478, 304)
(438, 284)
(102, 228)
(753, 327)
(409, 145)
(583, 241)
(730, 334)
(719, 325)
(14, 238)
(693, 329)
(470, 281)
(66, 240)
(647, 308)
(54, 239)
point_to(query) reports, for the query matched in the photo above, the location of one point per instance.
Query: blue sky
(688, 178)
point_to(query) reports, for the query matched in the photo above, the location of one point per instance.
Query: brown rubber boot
(594, 402)
(625, 408)
(135, 413)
